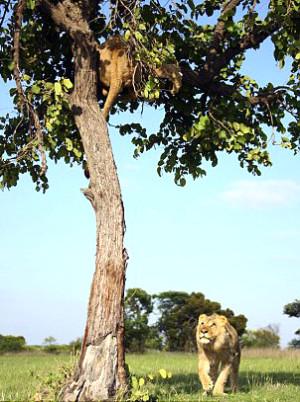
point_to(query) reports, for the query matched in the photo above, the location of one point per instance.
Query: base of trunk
(95, 378)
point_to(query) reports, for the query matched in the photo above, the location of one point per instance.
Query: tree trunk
(100, 374)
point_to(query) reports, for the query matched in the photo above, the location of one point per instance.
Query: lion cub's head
(210, 328)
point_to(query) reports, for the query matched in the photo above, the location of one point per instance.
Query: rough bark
(100, 375)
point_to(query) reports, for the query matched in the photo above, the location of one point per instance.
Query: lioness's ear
(223, 319)
(202, 317)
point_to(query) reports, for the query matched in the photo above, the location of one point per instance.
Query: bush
(9, 343)
(261, 338)
(51, 349)
(75, 346)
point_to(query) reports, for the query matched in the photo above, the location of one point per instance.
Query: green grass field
(265, 376)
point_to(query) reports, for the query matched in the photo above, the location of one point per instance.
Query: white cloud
(261, 194)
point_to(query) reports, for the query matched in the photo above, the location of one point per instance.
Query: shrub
(261, 338)
(9, 343)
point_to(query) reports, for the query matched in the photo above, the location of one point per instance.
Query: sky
(231, 235)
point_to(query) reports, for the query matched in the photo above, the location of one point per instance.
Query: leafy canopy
(218, 107)
(179, 313)
(292, 309)
(138, 306)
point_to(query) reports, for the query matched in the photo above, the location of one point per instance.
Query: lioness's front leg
(222, 379)
(204, 377)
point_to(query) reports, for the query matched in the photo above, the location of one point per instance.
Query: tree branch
(25, 105)
(194, 79)
(71, 16)
(217, 59)
(219, 34)
(219, 31)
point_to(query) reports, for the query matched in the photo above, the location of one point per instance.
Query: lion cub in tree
(118, 70)
(218, 353)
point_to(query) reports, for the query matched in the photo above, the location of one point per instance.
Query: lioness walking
(218, 353)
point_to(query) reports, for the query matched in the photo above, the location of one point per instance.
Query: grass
(20, 374)
(265, 376)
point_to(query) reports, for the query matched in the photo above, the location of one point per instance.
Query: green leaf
(35, 89)
(236, 126)
(127, 35)
(138, 36)
(57, 88)
(67, 83)
(156, 94)
(26, 77)
(49, 126)
(134, 383)
(297, 57)
(77, 153)
(69, 144)
(11, 66)
(182, 182)
(30, 4)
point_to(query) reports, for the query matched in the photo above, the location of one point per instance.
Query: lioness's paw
(217, 392)
(208, 390)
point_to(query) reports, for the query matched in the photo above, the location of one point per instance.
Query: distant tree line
(166, 321)
(261, 338)
(16, 344)
(174, 315)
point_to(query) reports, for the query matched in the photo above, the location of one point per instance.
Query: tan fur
(118, 71)
(218, 353)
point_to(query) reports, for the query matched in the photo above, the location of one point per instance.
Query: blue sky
(231, 236)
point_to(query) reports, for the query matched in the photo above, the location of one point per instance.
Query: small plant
(51, 384)
(139, 387)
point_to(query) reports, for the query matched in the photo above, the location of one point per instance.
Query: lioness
(218, 353)
(118, 70)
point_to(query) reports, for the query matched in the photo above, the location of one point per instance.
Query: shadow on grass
(189, 383)
(250, 379)
(185, 383)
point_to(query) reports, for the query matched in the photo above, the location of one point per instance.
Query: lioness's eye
(213, 324)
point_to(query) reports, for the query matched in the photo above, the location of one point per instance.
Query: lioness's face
(209, 327)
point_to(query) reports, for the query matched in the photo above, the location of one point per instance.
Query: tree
(261, 338)
(293, 310)
(50, 345)
(50, 49)
(295, 342)
(179, 313)
(75, 346)
(138, 306)
(10, 343)
(49, 340)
